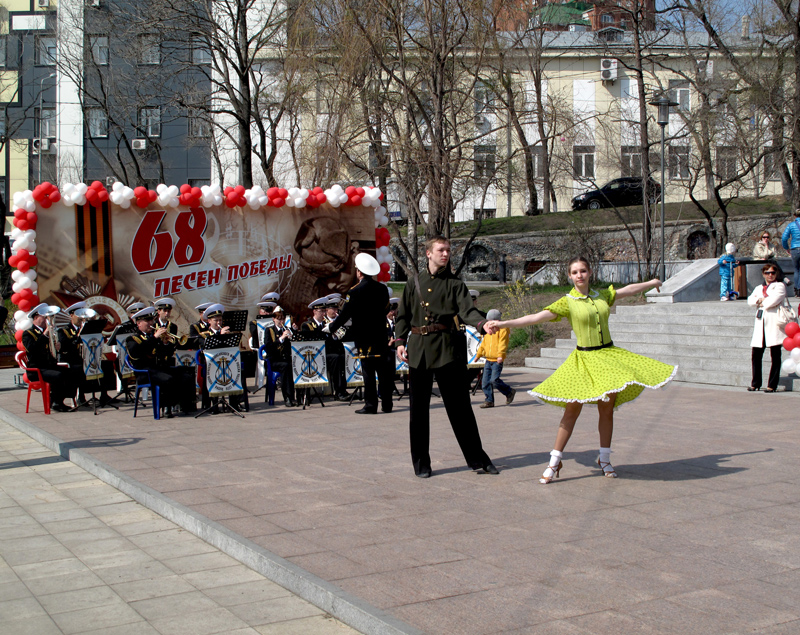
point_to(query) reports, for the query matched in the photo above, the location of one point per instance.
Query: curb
(328, 597)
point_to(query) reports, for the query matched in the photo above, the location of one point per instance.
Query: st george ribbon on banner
(473, 342)
(309, 367)
(352, 365)
(223, 371)
(125, 369)
(92, 355)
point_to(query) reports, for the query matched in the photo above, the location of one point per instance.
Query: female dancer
(597, 372)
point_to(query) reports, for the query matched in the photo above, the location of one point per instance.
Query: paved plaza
(698, 535)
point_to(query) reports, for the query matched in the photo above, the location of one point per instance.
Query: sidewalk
(698, 535)
(77, 556)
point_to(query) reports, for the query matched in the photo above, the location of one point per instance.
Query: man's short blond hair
(436, 239)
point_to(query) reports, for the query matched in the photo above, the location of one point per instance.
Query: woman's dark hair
(776, 267)
(578, 259)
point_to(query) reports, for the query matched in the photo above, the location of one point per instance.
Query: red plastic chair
(22, 361)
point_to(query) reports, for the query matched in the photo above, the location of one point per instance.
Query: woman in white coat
(766, 332)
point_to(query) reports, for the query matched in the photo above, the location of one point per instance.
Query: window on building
(199, 182)
(606, 19)
(96, 122)
(99, 47)
(679, 92)
(3, 45)
(150, 121)
(484, 99)
(149, 49)
(726, 162)
(45, 51)
(199, 126)
(485, 162)
(200, 51)
(45, 123)
(477, 213)
(381, 166)
(772, 163)
(631, 158)
(538, 166)
(583, 162)
(679, 162)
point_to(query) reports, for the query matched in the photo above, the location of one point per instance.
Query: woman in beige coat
(766, 332)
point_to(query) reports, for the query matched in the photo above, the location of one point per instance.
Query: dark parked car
(616, 193)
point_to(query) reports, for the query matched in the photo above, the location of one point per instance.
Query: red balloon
(12, 261)
(355, 200)
(185, 188)
(20, 213)
(197, 192)
(23, 254)
(15, 298)
(350, 190)
(55, 197)
(279, 202)
(796, 340)
(20, 346)
(23, 266)
(45, 202)
(360, 191)
(318, 190)
(788, 343)
(385, 267)
(18, 336)
(33, 261)
(31, 217)
(96, 185)
(283, 193)
(140, 191)
(25, 294)
(792, 329)
(24, 305)
(272, 192)
(239, 189)
(23, 224)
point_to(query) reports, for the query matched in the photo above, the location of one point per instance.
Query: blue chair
(270, 376)
(143, 381)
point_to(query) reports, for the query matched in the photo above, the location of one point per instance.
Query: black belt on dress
(433, 328)
(594, 348)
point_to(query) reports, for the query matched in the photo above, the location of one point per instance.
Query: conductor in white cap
(367, 304)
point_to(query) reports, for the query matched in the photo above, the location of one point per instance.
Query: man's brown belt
(433, 328)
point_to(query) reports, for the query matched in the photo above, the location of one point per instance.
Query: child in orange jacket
(493, 349)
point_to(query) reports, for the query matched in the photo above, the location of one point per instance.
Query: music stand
(228, 340)
(236, 320)
(126, 328)
(93, 327)
(309, 336)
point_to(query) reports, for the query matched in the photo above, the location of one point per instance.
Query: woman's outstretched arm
(638, 287)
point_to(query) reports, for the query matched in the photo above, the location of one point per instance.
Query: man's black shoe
(342, 396)
(489, 468)
(289, 403)
(387, 410)
(366, 411)
(425, 473)
(60, 407)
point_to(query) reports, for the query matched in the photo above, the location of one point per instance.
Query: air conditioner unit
(43, 3)
(608, 69)
(139, 144)
(40, 145)
(110, 180)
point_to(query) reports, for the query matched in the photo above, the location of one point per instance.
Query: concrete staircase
(710, 341)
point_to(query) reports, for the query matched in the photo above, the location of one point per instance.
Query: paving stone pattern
(698, 535)
(78, 556)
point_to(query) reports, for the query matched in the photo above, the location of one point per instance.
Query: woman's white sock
(555, 459)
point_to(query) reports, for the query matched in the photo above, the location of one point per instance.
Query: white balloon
(31, 273)
(20, 243)
(16, 233)
(19, 315)
(789, 366)
(31, 246)
(34, 286)
(16, 275)
(384, 221)
(25, 283)
(303, 192)
(30, 206)
(16, 288)
(795, 355)
(299, 202)
(24, 325)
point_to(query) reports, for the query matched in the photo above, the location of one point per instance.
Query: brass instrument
(85, 315)
(50, 314)
(169, 338)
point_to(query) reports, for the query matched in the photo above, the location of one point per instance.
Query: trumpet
(85, 315)
(174, 339)
(50, 314)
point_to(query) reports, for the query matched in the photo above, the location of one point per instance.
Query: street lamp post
(41, 119)
(663, 104)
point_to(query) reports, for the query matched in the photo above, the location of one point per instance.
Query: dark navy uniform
(279, 354)
(334, 361)
(176, 382)
(367, 304)
(63, 381)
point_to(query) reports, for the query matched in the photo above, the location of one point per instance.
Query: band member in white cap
(198, 327)
(148, 352)
(69, 352)
(164, 307)
(334, 361)
(63, 381)
(213, 315)
(264, 311)
(278, 344)
(274, 296)
(367, 304)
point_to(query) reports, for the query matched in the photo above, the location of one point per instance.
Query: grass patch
(606, 217)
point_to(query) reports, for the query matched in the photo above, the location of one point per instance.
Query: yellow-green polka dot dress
(589, 376)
